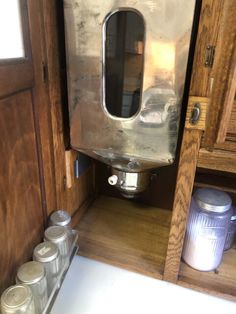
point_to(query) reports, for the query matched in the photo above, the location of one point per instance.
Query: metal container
(32, 274)
(59, 236)
(47, 253)
(230, 238)
(208, 222)
(147, 139)
(17, 299)
(62, 218)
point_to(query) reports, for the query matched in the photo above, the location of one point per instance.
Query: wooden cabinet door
(221, 122)
(21, 184)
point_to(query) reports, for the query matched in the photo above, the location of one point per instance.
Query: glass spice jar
(59, 236)
(33, 275)
(17, 299)
(62, 218)
(48, 254)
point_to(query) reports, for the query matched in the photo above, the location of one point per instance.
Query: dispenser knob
(112, 180)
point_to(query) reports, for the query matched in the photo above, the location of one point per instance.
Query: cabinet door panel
(21, 213)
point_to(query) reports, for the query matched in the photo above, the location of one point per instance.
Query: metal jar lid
(212, 200)
(31, 272)
(16, 297)
(55, 234)
(60, 218)
(46, 252)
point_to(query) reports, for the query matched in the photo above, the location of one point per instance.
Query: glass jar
(32, 274)
(208, 222)
(17, 299)
(231, 231)
(47, 253)
(59, 236)
(62, 218)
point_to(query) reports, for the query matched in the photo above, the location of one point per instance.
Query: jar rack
(73, 251)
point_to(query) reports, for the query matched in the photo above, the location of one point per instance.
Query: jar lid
(60, 218)
(31, 272)
(15, 297)
(55, 234)
(233, 217)
(45, 252)
(212, 200)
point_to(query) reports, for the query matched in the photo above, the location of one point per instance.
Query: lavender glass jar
(230, 238)
(208, 222)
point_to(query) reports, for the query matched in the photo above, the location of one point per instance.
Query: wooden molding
(184, 185)
(223, 89)
(217, 160)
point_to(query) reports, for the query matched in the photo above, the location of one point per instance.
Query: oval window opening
(124, 51)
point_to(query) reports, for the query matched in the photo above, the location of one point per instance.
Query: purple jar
(231, 231)
(207, 227)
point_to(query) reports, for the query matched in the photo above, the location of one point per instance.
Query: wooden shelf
(126, 234)
(221, 281)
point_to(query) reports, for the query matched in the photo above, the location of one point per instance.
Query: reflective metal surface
(148, 139)
(129, 183)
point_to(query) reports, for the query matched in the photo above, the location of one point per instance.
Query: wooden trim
(203, 104)
(208, 29)
(184, 185)
(42, 108)
(223, 89)
(228, 101)
(206, 291)
(217, 160)
(54, 89)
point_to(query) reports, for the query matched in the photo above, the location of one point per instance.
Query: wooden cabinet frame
(198, 150)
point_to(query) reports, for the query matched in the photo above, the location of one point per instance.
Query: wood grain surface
(222, 280)
(217, 160)
(207, 35)
(232, 121)
(21, 215)
(126, 234)
(223, 90)
(42, 107)
(71, 197)
(184, 185)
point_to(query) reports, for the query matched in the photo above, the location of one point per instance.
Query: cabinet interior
(133, 234)
(223, 280)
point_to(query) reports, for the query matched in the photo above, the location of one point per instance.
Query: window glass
(124, 47)
(11, 39)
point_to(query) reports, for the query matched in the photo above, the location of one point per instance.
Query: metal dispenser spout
(131, 184)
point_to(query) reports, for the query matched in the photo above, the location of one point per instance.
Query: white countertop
(92, 287)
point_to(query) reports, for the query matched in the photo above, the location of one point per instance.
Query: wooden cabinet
(33, 167)
(208, 155)
(36, 172)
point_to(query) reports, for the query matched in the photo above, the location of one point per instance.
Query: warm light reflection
(11, 41)
(163, 55)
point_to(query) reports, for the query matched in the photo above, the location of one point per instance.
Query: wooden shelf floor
(221, 281)
(126, 234)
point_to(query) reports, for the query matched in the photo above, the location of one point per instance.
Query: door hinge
(45, 72)
(210, 54)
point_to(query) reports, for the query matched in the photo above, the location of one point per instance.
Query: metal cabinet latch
(195, 114)
(210, 54)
